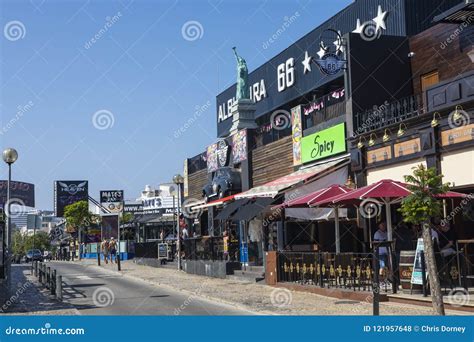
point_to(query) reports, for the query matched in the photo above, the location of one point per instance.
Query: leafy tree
(38, 241)
(18, 243)
(419, 208)
(77, 216)
(22, 243)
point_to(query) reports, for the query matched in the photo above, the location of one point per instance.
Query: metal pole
(376, 285)
(117, 257)
(59, 287)
(53, 282)
(178, 241)
(98, 253)
(40, 273)
(388, 213)
(9, 228)
(338, 232)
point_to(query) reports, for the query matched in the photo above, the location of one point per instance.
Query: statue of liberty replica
(243, 108)
(242, 77)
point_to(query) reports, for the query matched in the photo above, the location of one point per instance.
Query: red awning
(213, 203)
(273, 188)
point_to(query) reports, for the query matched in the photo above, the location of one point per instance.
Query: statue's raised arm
(243, 91)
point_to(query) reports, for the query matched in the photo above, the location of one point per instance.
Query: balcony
(388, 114)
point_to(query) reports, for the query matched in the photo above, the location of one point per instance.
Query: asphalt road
(93, 291)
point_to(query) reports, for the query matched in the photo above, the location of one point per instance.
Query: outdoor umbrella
(320, 195)
(386, 191)
(306, 200)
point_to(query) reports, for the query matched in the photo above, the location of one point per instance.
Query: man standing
(113, 250)
(381, 235)
(104, 246)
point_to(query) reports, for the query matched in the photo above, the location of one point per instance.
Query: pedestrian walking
(113, 250)
(104, 246)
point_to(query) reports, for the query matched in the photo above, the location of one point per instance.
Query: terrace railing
(388, 114)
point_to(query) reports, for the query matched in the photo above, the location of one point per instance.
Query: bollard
(44, 273)
(48, 277)
(36, 268)
(117, 260)
(59, 287)
(98, 254)
(40, 275)
(53, 282)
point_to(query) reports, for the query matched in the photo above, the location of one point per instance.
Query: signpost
(113, 200)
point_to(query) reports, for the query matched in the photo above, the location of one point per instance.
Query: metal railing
(388, 114)
(343, 270)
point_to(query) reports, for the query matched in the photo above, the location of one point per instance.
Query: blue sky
(108, 110)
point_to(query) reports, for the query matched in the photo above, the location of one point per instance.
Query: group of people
(405, 239)
(108, 247)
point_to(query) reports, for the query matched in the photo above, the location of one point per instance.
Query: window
(427, 80)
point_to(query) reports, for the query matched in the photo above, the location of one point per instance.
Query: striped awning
(273, 188)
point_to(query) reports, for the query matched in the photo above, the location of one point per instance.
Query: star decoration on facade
(338, 43)
(379, 20)
(359, 27)
(306, 62)
(321, 52)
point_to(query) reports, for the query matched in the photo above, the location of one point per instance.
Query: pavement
(29, 297)
(142, 290)
(254, 298)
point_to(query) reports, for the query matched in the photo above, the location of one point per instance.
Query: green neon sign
(325, 143)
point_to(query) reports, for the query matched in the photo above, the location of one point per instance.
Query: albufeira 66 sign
(325, 143)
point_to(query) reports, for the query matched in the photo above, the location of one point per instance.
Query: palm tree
(419, 208)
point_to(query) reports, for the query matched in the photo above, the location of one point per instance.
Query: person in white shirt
(381, 235)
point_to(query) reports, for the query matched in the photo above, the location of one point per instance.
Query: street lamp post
(10, 155)
(178, 180)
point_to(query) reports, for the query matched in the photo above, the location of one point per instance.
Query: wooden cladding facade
(272, 161)
(442, 48)
(197, 181)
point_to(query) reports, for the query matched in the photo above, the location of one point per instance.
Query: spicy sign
(324, 143)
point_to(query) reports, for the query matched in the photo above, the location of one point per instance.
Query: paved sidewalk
(29, 297)
(258, 298)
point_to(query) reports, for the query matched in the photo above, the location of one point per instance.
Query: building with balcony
(308, 117)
